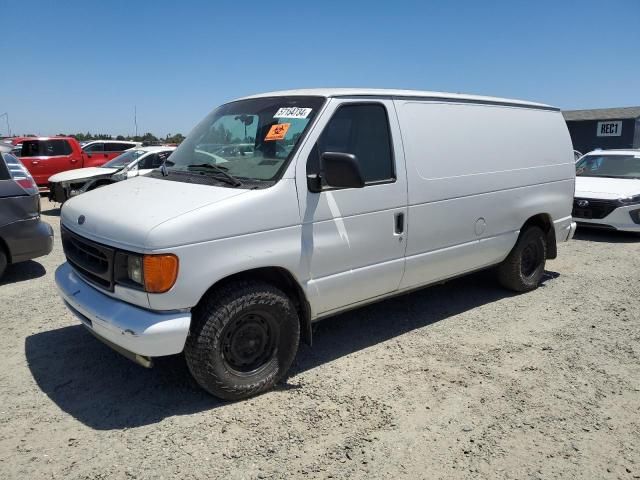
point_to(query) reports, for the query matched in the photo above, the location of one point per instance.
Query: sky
(71, 66)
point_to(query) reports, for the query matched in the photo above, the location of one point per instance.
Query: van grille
(93, 261)
(594, 209)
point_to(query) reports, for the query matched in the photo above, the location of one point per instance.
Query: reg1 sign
(609, 129)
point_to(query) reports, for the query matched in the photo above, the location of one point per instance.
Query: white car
(577, 155)
(132, 163)
(608, 190)
(108, 148)
(346, 197)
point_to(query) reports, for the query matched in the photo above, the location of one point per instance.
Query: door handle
(74, 160)
(34, 163)
(398, 224)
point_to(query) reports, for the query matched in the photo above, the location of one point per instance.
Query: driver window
(362, 130)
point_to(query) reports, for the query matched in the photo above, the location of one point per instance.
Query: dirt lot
(462, 380)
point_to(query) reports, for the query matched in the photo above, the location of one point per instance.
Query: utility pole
(6, 116)
(135, 118)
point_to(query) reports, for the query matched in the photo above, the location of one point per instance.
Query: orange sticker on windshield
(277, 132)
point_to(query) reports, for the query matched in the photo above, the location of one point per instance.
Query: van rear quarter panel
(476, 173)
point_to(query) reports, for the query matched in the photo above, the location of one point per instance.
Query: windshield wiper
(230, 179)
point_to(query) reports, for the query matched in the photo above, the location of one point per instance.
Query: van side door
(353, 239)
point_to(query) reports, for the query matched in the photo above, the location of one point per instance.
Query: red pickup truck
(46, 156)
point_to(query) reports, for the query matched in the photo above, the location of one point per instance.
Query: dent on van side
(284, 208)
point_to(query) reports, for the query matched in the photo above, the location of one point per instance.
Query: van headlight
(134, 269)
(630, 200)
(155, 273)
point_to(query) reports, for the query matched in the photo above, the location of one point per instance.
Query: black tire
(3, 262)
(522, 270)
(243, 339)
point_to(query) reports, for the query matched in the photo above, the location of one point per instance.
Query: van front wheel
(522, 270)
(243, 339)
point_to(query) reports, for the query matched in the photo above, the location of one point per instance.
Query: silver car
(23, 235)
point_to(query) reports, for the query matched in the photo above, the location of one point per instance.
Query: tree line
(147, 137)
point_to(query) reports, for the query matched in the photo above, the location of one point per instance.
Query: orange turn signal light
(160, 272)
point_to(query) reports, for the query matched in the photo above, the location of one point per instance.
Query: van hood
(81, 174)
(123, 214)
(606, 188)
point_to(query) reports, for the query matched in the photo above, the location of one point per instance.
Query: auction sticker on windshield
(277, 132)
(292, 112)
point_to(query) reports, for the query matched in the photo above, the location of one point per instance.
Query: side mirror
(341, 170)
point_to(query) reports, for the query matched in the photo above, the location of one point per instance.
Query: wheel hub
(248, 343)
(530, 259)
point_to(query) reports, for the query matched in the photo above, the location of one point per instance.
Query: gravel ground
(462, 380)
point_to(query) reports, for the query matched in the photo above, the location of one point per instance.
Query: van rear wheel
(243, 339)
(522, 270)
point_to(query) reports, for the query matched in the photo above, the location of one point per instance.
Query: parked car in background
(17, 140)
(106, 150)
(346, 197)
(46, 156)
(577, 155)
(16, 144)
(608, 190)
(134, 162)
(23, 235)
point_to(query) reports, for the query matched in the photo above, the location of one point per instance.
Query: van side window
(362, 130)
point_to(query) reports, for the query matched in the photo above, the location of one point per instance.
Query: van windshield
(611, 166)
(248, 140)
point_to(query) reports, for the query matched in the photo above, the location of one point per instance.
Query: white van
(284, 208)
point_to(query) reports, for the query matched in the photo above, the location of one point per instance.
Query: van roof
(384, 92)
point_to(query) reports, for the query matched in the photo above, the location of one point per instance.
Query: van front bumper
(125, 327)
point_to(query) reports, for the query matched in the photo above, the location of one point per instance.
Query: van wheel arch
(282, 279)
(544, 222)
